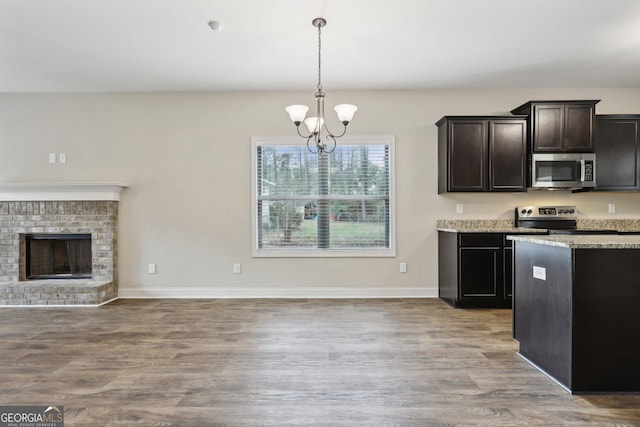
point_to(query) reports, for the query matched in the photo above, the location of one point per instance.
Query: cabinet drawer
(485, 240)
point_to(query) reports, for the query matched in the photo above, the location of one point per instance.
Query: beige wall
(186, 157)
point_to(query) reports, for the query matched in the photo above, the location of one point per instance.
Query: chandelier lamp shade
(320, 139)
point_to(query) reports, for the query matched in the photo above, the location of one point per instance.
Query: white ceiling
(166, 45)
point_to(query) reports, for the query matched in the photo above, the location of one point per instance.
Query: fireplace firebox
(58, 256)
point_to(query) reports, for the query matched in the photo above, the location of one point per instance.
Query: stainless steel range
(556, 219)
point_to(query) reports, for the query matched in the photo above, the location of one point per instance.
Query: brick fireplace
(22, 218)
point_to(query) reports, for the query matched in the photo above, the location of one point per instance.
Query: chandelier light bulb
(345, 112)
(297, 113)
(314, 124)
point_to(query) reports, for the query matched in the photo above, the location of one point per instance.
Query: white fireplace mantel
(45, 191)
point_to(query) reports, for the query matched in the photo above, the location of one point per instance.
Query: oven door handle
(582, 167)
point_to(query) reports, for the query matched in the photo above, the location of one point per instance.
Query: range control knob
(529, 211)
(523, 211)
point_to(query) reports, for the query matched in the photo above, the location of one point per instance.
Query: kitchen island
(575, 309)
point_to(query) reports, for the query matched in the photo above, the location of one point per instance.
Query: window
(337, 204)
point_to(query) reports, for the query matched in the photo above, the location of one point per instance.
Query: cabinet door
(563, 127)
(578, 129)
(616, 148)
(467, 163)
(507, 145)
(548, 131)
(479, 272)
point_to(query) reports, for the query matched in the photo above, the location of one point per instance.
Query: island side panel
(542, 309)
(606, 351)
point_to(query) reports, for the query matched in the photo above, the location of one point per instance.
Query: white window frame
(319, 252)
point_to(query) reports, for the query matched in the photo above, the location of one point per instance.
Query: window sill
(323, 253)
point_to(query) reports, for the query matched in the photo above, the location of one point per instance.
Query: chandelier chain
(319, 58)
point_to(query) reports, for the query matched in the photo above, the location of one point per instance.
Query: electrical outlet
(403, 267)
(62, 158)
(52, 157)
(612, 208)
(459, 208)
(152, 269)
(237, 268)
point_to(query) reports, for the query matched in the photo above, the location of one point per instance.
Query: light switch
(459, 208)
(152, 269)
(403, 267)
(52, 157)
(612, 208)
(237, 268)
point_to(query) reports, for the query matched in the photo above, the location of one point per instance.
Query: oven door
(563, 170)
(579, 231)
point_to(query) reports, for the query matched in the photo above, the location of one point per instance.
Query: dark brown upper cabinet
(617, 148)
(481, 153)
(560, 126)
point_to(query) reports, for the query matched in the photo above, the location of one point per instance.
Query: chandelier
(320, 139)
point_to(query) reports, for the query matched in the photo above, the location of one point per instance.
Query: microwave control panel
(588, 171)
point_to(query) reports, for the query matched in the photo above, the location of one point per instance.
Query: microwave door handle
(582, 174)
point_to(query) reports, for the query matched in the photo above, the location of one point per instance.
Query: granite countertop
(508, 226)
(483, 226)
(584, 241)
(621, 225)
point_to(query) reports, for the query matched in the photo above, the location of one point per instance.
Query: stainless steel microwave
(563, 170)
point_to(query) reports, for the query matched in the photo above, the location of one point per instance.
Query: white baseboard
(59, 305)
(278, 293)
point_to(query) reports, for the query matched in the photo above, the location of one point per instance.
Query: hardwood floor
(400, 362)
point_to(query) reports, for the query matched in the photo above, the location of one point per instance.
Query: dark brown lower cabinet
(474, 269)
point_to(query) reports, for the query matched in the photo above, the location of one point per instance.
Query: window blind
(337, 201)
